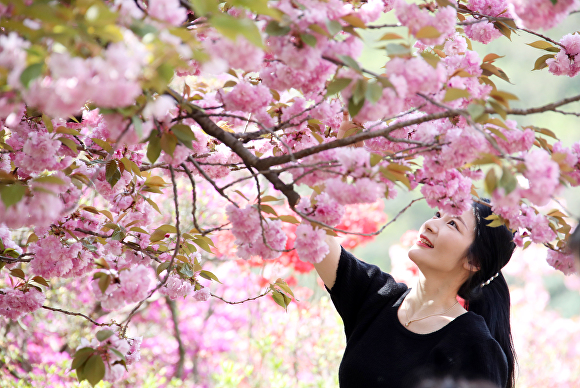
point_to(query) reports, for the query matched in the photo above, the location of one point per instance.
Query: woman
(397, 336)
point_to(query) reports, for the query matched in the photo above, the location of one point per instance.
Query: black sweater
(381, 352)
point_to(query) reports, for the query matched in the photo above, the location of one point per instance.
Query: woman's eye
(454, 224)
(437, 214)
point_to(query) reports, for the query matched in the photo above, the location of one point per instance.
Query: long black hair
(490, 251)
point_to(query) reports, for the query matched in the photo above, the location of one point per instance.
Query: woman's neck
(431, 295)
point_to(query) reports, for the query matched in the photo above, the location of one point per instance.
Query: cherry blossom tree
(143, 141)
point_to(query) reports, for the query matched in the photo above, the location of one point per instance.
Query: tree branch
(241, 301)
(81, 315)
(175, 252)
(177, 334)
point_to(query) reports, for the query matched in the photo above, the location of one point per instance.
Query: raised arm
(327, 267)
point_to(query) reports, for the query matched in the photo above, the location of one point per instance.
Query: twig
(543, 37)
(211, 181)
(355, 233)
(385, 26)
(241, 301)
(540, 109)
(81, 315)
(175, 252)
(194, 198)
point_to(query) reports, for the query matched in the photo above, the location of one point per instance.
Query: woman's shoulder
(471, 327)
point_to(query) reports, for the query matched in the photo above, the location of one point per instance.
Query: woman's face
(442, 243)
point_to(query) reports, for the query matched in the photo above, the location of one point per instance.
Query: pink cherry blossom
(175, 287)
(310, 243)
(15, 303)
(363, 190)
(202, 295)
(325, 209)
(483, 32)
(169, 11)
(450, 191)
(245, 223)
(275, 237)
(561, 261)
(543, 175)
(247, 97)
(544, 14)
(412, 16)
(238, 54)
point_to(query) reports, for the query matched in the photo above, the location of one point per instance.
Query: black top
(381, 352)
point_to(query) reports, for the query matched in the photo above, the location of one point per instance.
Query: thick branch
(276, 160)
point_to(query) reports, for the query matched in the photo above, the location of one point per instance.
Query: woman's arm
(327, 267)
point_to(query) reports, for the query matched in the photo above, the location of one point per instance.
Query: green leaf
(336, 85)
(168, 143)
(395, 49)
(81, 357)
(453, 94)
(273, 28)
(94, 369)
(354, 108)
(69, 143)
(30, 73)
(104, 334)
(49, 179)
(184, 134)
(12, 194)
(160, 232)
(279, 299)
(541, 61)
(202, 244)
(268, 209)
(540, 44)
(309, 39)
(209, 276)
(428, 32)
(153, 149)
(47, 123)
(203, 7)
(508, 181)
(162, 267)
(349, 61)
(490, 181)
(138, 229)
(374, 92)
(41, 280)
(333, 27)
(153, 204)
(17, 273)
(112, 172)
(137, 125)
(475, 110)
(118, 353)
(186, 270)
(391, 36)
(103, 144)
(360, 90)
(104, 282)
(231, 27)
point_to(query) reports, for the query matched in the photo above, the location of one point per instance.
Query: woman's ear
(470, 265)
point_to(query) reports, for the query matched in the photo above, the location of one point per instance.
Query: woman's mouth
(424, 241)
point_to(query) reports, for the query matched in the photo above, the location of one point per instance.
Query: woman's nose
(431, 226)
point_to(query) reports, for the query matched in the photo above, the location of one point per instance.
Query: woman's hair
(490, 251)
